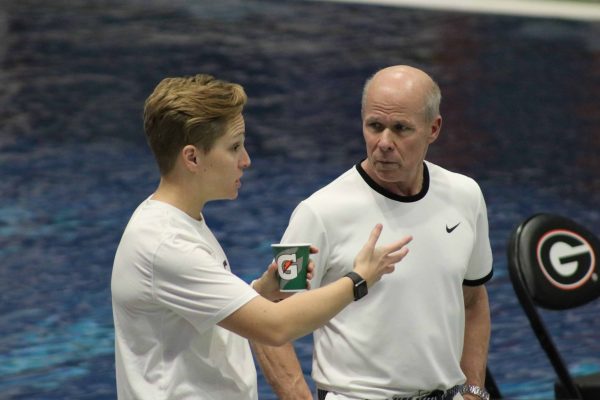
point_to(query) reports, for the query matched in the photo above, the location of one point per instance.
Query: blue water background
(521, 115)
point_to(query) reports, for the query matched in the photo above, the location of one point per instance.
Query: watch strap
(476, 390)
(360, 285)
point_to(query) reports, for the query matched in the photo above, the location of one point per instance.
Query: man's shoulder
(345, 182)
(456, 179)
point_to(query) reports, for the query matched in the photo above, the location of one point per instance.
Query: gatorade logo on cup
(292, 265)
(287, 266)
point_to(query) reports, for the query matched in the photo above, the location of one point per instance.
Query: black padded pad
(556, 260)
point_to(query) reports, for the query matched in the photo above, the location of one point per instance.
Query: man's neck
(408, 187)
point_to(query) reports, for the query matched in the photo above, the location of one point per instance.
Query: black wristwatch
(360, 285)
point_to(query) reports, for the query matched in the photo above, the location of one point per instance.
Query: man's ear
(436, 127)
(191, 156)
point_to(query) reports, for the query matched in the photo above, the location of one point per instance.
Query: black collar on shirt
(384, 192)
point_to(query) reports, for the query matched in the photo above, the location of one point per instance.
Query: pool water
(520, 108)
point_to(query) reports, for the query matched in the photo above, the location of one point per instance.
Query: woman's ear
(191, 156)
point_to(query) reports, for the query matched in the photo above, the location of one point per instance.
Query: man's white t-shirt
(407, 334)
(171, 285)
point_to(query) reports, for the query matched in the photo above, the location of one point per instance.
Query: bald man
(424, 332)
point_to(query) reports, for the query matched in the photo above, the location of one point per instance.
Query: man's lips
(386, 164)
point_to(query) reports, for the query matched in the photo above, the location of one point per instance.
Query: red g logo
(566, 259)
(287, 266)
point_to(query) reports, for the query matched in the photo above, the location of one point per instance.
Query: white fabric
(171, 285)
(407, 334)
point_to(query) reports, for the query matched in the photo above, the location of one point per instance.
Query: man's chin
(388, 174)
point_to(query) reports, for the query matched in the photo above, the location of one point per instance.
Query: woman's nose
(245, 163)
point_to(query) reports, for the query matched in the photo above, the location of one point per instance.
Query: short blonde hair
(189, 110)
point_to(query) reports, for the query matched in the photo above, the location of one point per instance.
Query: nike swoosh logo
(449, 230)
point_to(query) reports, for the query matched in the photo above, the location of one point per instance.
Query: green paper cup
(292, 265)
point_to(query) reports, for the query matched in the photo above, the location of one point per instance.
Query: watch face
(360, 290)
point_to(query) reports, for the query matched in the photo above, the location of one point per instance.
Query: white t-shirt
(407, 334)
(171, 285)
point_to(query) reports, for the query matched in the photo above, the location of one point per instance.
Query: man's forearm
(477, 336)
(282, 371)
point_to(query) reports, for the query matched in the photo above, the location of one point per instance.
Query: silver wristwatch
(476, 390)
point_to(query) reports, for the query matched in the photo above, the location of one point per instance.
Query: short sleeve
(194, 284)
(480, 269)
(305, 226)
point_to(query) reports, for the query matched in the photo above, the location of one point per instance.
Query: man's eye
(401, 128)
(376, 126)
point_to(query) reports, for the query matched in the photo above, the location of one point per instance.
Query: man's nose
(386, 142)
